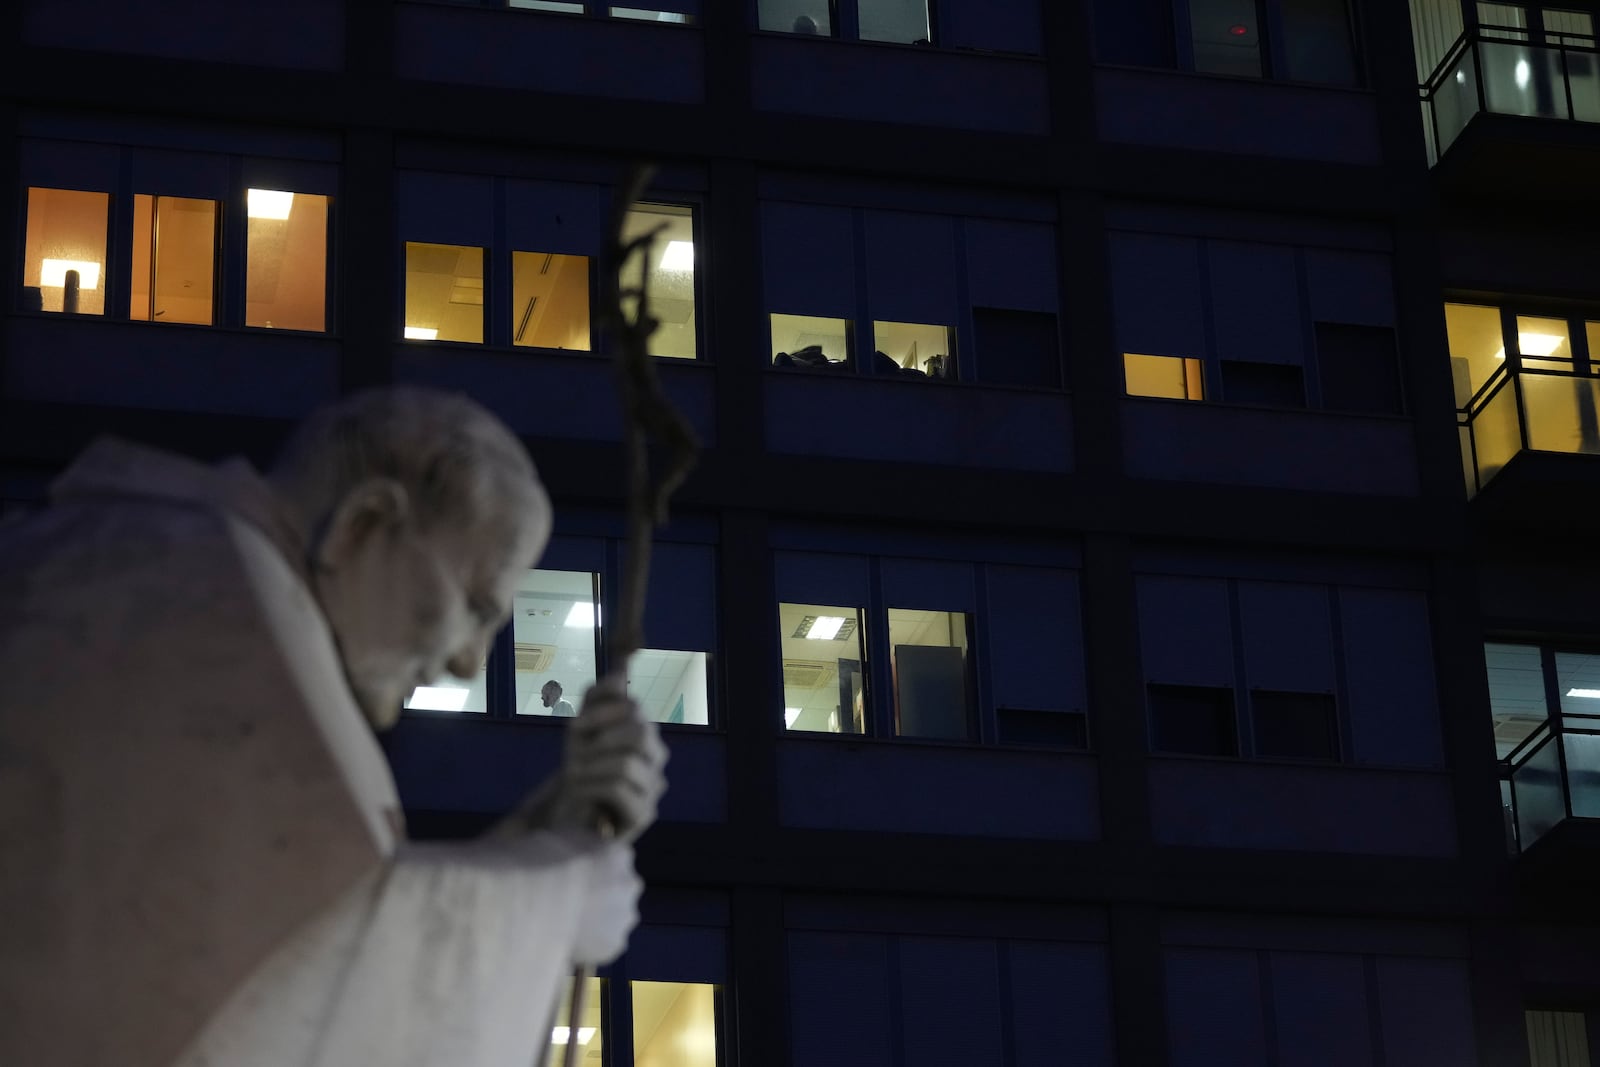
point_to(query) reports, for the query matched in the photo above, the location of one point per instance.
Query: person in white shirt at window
(551, 695)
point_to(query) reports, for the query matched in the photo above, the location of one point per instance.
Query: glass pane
(796, 16)
(1516, 693)
(1173, 377)
(1558, 1039)
(555, 626)
(1477, 347)
(671, 275)
(588, 1032)
(1573, 27)
(928, 657)
(1578, 682)
(1294, 725)
(674, 1024)
(1507, 21)
(174, 259)
(1496, 432)
(1561, 413)
(1508, 814)
(450, 693)
(1456, 99)
(1543, 343)
(645, 14)
(570, 7)
(550, 300)
(900, 21)
(444, 292)
(1538, 790)
(65, 257)
(1017, 347)
(1583, 773)
(1192, 719)
(1226, 37)
(913, 350)
(1583, 81)
(810, 342)
(671, 686)
(1316, 41)
(1465, 435)
(824, 668)
(286, 260)
(1522, 80)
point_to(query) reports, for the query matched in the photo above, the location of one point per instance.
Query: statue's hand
(610, 906)
(611, 771)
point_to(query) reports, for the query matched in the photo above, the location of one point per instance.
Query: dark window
(1192, 719)
(1282, 384)
(1023, 726)
(1016, 347)
(1317, 44)
(1136, 32)
(1226, 37)
(1294, 725)
(1359, 368)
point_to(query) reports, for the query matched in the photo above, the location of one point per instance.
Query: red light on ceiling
(1239, 31)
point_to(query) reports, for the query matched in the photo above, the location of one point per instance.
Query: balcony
(1550, 787)
(1478, 103)
(1527, 410)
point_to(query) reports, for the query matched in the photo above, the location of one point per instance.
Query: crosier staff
(647, 416)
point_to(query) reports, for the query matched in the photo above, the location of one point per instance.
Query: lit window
(1516, 693)
(286, 261)
(587, 1031)
(444, 292)
(909, 349)
(1558, 1039)
(550, 300)
(809, 342)
(672, 271)
(674, 1024)
(1173, 377)
(1543, 343)
(567, 7)
(452, 694)
(932, 683)
(824, 672)
(897, 21)
(809, 18)
(555, 629)
(64, 262)
(671, 686)
(174, 259)
(646, 14)
(1477, 348)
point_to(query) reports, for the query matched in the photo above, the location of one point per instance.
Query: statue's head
(422, 513)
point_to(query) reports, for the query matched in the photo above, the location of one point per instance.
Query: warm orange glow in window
(444, 292)
(66, 232)
(174, 259)
(286, 261)
(1172, 377)
(550, 300)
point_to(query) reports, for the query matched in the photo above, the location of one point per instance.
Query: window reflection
(674, 1024)
(1477, 349)
(286, 260)
(928, 657)
(444, 293)
(804, 17)
(810, 342)
(550, 300)
(824, 675)
(63, 266)
(174, 259)
(897, 21)
(1516, 693)
(555, 629)
(671, 686)
(671, 270)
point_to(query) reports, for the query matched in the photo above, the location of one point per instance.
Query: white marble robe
(201, 856)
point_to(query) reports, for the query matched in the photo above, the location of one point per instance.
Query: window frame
(1272, 46)
(844, 20)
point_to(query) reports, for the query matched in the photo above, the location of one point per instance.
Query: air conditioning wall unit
(534, 659)
(807, 674)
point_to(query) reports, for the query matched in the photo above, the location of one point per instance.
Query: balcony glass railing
(1548, 409)
(1510, 77)
(1552, 776)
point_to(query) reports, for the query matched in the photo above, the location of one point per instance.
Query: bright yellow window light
(53, 272)
(1535, 344)
(268, 203)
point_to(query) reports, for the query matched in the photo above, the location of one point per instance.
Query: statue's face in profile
(407, 605)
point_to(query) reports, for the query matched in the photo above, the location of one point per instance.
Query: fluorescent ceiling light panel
(421, 333)
(825, 628)
(1535, 344)
(560, 1035)
(53, 272)
(268, 203)
(582, 614)
(1592, 694)
(679, 255)
(789, 716)
(437, 698)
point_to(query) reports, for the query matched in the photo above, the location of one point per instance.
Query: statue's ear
(376, 507)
